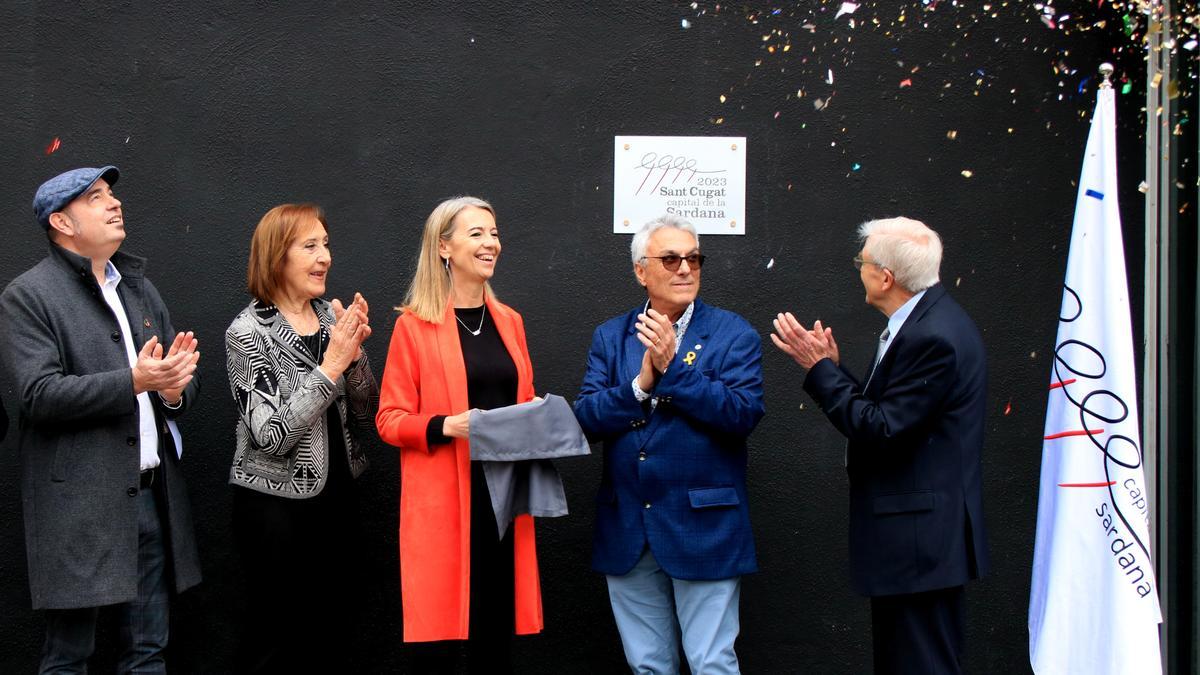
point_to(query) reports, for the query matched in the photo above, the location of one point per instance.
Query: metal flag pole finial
(1106, 71)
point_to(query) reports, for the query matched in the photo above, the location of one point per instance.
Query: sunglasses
(671, 262)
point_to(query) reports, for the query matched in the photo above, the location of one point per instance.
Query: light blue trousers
(651, 610)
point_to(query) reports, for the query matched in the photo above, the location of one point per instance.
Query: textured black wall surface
(379, 110)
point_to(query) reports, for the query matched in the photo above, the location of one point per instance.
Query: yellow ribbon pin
(690, 358)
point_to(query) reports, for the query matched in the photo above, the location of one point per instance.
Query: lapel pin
(690, 358)
(146, 322)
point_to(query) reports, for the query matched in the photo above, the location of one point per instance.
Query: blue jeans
(652, 609)
(71, 633)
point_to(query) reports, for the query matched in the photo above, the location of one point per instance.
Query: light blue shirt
(897, 319)
(680, 327)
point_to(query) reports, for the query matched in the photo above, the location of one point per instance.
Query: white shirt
(146, 426)
(897, 319)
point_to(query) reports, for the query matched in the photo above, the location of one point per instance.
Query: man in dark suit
(673, 388)
(915, 430)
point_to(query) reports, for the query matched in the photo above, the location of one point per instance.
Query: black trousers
(492, 610)
(302, 561)
(919, 633)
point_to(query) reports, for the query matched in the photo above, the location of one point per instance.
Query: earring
(446, 262)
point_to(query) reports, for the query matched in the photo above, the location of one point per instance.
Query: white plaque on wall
(701, 179)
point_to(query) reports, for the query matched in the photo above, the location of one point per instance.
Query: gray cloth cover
(515, 444)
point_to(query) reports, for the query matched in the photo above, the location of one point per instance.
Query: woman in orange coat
(455, 347)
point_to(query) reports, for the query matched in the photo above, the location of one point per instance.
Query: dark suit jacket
(915, 440)
(675, 479)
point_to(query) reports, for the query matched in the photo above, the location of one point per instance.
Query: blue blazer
(675, 478)
(915, 439)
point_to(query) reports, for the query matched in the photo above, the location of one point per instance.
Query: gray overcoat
(62, 349)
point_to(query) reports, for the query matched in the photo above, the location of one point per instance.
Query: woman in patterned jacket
(304, 391)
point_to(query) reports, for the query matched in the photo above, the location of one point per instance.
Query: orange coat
(425, 376)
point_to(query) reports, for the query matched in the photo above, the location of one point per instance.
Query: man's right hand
(152, 372)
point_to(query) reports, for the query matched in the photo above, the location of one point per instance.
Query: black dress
(491, 383)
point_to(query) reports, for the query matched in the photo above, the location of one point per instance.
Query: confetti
(829, 77)
(952, 134)
(967, 173)
(685, 24)
(856, 166)
(1008, 407)
(54, 146)
(846, 8)
(905, 83)
(770, 263)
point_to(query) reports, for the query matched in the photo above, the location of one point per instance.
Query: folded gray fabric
(515, 444)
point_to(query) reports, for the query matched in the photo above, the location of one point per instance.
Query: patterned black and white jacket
(282, 397)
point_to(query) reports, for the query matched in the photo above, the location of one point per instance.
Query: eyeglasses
(671, 262)
(859, 262)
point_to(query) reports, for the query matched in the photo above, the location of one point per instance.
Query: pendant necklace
(468, 328)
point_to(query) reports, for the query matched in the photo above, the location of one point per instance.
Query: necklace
(475, 332)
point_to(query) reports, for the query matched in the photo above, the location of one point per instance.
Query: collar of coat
(272, 321)
(130, 266)
(932, 295)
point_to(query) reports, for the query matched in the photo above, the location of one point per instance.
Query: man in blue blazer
(915, 430)
(673, 389)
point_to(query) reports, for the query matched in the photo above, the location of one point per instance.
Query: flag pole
(1157, 371)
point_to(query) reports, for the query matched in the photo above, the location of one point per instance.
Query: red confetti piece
(54, 146)
(905, 83)
(1008, 407)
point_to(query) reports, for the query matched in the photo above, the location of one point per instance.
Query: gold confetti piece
(967, 173)
(722, 98)
(1157, 80)
(952, 134)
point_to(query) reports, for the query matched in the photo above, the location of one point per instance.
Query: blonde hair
(429, 290)
(269, 246)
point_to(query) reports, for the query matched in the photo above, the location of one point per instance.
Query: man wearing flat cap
(100, 375)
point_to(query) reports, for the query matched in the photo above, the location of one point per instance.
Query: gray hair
(907, 247)
(638, 246)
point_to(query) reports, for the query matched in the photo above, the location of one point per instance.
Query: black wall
(379, 110)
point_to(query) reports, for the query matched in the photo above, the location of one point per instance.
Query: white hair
(907, 247)
(637, 247)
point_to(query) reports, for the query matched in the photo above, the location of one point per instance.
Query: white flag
(1093, 606)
